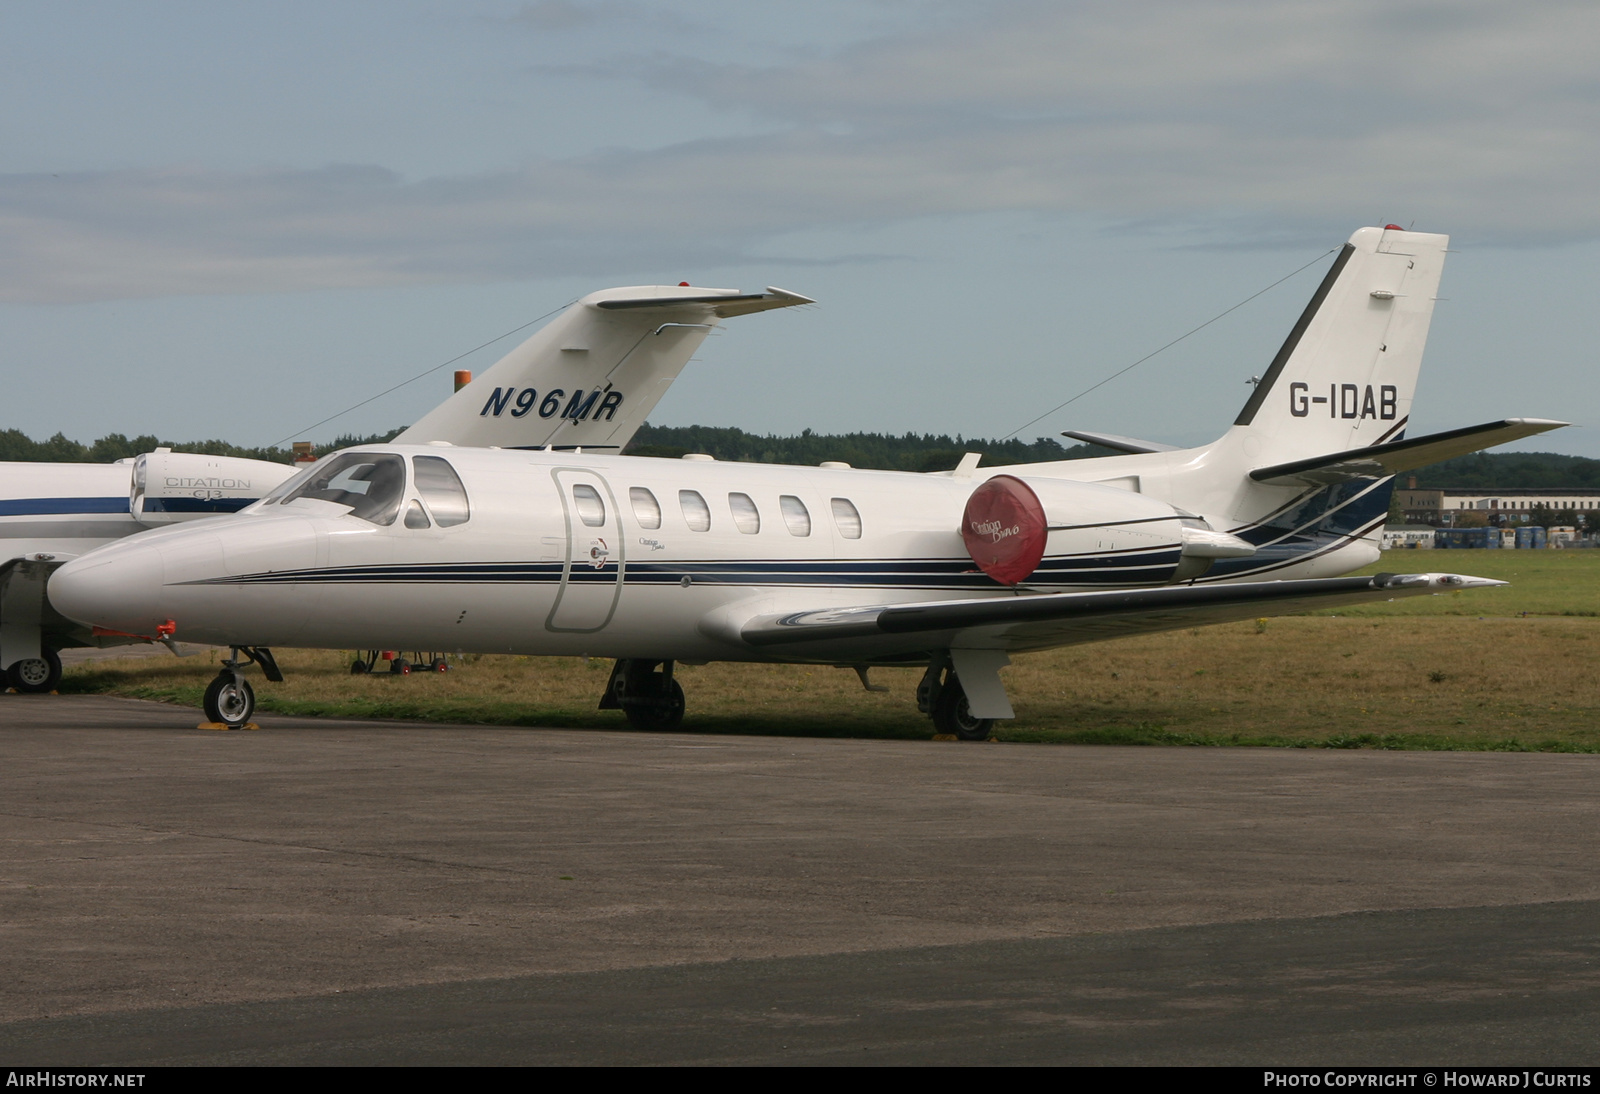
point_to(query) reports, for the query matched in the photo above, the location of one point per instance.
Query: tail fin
(1345, 376)
(589, 377)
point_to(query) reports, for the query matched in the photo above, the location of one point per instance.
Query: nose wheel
(230, 700)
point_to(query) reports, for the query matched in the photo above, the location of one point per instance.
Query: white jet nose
(120, 591)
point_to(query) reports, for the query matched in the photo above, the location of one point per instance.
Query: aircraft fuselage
(627, 557)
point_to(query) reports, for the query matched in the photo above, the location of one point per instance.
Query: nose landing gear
(652, 700)
(229, 699)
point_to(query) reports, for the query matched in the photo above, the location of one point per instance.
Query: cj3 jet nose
(117, 587)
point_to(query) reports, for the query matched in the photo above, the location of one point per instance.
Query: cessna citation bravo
(653, 561)
(588, 378)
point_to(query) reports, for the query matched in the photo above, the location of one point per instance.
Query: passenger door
(591, 576)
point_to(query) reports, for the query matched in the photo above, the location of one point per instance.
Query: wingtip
(785, 294)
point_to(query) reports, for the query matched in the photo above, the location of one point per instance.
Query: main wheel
(36, 675)
(440, 665)
(359, 667)
(229, 700)
(400, 666)
(952, 716)
(658, 713)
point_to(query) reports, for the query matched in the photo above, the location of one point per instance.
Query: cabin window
(370, 483)
(795, 515)
(591, 510)
(696, 513)
(646, 510)
(415, 517)
(847, 518)
(441, 488)
(746, 517)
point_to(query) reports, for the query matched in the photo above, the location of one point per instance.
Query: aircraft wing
(1381, 460)
(1063, 619)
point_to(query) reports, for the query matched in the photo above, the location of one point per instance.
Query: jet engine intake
(1005, 529)
(170, 486)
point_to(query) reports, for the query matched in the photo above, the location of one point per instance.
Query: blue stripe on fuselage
(31, 507)
(1142, 568)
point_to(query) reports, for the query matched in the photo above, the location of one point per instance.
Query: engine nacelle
(1010, 523)
(174, 486)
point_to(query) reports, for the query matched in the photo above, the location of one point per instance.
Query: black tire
(359, 667)
(400, 666)
(658, 713)
(229, 700)
(951, 716)
(36, 675)
(440, 665)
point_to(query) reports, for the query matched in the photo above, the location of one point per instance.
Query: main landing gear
(230, 700)
(650, 698)
(36, 675)
(941, 695)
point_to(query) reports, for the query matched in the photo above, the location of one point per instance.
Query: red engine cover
(1004, 528)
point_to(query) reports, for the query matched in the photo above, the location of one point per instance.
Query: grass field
(1466, 670)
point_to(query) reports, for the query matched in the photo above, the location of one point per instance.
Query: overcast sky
(235, 220)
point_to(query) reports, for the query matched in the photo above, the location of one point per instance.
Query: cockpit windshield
(370, 483)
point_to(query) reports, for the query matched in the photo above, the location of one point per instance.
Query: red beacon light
(1393, 228)
(683, 284)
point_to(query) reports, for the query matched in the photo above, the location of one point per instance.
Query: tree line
(882, 451)
(18, 446)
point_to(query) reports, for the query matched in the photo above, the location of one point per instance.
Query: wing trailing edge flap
(724, 303)
(1064, 619)
(1382, 460)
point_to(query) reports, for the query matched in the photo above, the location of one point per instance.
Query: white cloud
(1472, 117)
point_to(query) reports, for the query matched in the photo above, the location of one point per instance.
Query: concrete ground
(335, 891)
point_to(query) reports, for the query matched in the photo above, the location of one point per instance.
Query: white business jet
(652, 561)
(588, 378)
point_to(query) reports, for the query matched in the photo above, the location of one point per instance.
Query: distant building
(1407, 535)
(1440, 507)
(1420, 506)
(1517, 505)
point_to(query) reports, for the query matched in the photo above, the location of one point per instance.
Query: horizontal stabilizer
(1382, 460)
(725, 303)
(1131, 445)
(1060, 619)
